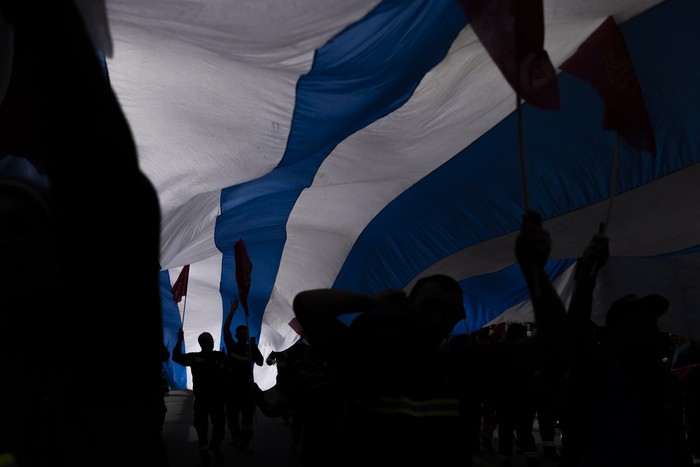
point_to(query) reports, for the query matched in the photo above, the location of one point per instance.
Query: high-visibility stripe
(243, 358)
(416, 408)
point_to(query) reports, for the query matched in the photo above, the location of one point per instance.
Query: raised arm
(317, 311)
(255, 353)
(178, 356)
(594, 258)
(532, 250)
(228, 337)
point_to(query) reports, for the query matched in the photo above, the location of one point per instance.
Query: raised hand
(594, 256)
(533, 244)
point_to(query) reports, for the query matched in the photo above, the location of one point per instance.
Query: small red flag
(603, 60)
(180, 285)
(682, 372)
(243, 270)
(512, 32)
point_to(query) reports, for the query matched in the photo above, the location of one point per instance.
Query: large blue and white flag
(362, 144)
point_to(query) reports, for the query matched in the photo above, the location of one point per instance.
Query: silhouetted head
(516, 332)
(437, 302)
(206, 341)
(631, 309)
(242, 333)
(631, 324)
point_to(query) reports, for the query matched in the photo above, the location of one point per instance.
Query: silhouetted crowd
(413, 390)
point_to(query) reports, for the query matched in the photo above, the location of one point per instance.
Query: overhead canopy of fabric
(362, 144)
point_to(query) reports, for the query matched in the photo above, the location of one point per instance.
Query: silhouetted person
(488, 420)
(240, 398)
(576, 421)
(291, 402)
(209, 370)
(279, 359)
(470, 404)
(623, 404)
(403, 388)
(515, 405)
(70, 126)
(320, 405)
(547, 394)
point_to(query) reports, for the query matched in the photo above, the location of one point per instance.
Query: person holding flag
(209, 369)
(240, 397)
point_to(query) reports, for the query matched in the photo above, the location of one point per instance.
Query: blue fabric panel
(569, 163)
(489, 295)
(353, 82)
(174, 373)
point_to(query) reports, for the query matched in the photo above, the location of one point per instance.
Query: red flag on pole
(243, 270)
(512, 32)
(682, 372)
(603, 60)
(180, 285)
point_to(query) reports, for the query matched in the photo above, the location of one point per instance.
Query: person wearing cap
(623, 405)
(650, 406)
(632, 323)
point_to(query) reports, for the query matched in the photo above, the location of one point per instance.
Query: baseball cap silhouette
(649, 307)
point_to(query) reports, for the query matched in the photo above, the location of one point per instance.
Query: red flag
(604, 61)
(512, 32)
(180, 285)
(243, 270)
(682, 372)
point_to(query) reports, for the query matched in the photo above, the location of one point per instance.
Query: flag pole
(603, 227)
(250, 347)
(250, 341)
(244, 268)
(179, 289)
(523, 176)
(250, 350)
(613, 184)
(184, 307)
(521, 152)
